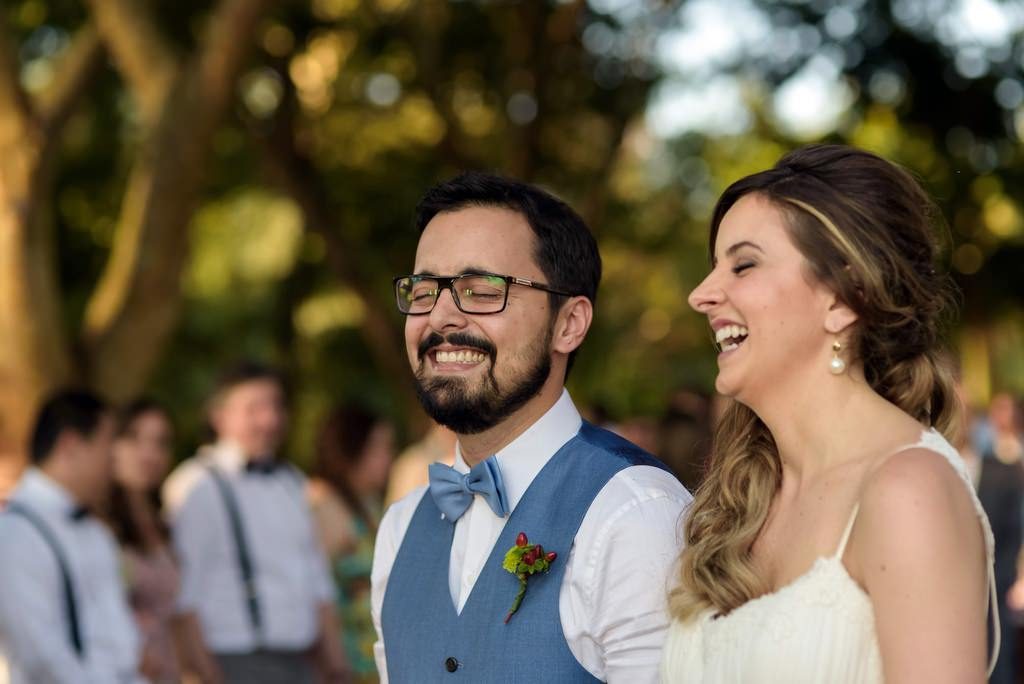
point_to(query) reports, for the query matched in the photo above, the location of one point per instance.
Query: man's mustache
(459, 339)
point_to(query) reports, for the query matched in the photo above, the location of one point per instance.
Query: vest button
(451, 664)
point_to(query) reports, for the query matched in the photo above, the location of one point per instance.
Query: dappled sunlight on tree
(195, 195)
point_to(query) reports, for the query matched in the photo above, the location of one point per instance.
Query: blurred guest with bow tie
(257, 601)
(63, 614)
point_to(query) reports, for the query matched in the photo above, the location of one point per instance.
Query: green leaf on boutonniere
(522, 560)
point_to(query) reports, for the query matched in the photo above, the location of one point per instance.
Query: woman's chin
(726, 386)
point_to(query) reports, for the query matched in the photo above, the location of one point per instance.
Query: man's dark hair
(74, 410)
(243, 372)
(566, 251)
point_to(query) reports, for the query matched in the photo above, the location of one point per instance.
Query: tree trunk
(135, 305)
(34, 354)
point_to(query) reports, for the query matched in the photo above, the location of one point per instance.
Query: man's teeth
(730, 332)
(459, 357)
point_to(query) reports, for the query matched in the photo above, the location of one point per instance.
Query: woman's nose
(707, 295)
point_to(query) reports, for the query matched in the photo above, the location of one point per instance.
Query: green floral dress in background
(351, 572)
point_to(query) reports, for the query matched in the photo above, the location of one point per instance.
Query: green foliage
(383, 98)
(514, 563)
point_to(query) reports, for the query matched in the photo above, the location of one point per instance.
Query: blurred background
(187, 182)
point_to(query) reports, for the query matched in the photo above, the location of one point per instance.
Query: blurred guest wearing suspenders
(257, 601)
(63, 614)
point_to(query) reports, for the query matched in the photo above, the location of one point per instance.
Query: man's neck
(244, 455)
(62, 476)
(482, 445)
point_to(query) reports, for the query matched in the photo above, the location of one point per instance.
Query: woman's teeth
(730, 337)
(459, 357)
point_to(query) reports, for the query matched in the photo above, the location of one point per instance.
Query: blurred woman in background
(354, 452)
(142, 456)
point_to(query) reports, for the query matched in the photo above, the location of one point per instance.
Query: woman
(836, 537)
(142, 455)
(354, 454)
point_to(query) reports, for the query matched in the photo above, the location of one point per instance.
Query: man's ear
(839, 317)
(572, 325)
(67, 442)
(214, 414)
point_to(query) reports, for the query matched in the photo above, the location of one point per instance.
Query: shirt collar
(226, 455)
(521, 460)
(42, 492)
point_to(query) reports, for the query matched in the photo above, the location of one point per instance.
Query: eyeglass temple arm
(538, 286)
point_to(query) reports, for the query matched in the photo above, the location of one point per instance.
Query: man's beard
(451, 402)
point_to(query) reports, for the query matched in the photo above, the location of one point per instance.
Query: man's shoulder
(646, 481)
(16, 534)
(190, 476)
(399, 514)
(391, 532)
(641, 507)
(641, 477)
(23, 545)
(618, 450)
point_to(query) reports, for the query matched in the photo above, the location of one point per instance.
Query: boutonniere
(522, 560)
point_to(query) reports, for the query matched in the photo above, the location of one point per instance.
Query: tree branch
(140, 52)
(425, 31)
(295, 173)
(34, 355)
(16, 114)
(135, 305)
(227, 43)
(79, 65)
(534, 55)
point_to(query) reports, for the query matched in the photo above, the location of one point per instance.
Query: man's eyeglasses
(473, 293)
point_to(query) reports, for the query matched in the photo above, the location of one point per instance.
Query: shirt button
(451, 664)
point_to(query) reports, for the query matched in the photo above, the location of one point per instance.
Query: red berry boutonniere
(525, 559)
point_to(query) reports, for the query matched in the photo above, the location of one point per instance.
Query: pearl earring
(836, 366)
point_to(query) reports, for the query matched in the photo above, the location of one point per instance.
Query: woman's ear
(839, 317)
(573, 323)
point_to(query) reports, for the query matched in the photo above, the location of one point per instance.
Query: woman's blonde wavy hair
(868, 231)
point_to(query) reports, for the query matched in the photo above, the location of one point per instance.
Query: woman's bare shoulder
(914, 502)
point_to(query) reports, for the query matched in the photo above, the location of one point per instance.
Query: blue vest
(427, 641)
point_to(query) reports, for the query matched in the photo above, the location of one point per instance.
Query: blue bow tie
(453, 492)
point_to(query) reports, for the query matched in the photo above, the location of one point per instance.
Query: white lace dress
(818, 628)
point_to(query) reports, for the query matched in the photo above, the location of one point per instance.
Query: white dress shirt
(34, 629)
(290, 569)
(613, 600)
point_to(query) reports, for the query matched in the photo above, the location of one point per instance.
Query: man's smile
(456, 359)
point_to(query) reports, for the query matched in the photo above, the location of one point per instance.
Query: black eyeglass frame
(448, 283)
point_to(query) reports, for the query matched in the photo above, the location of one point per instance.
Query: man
(256, 602)
(501, 298)
(63, 615)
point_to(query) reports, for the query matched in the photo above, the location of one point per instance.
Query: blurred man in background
(257, 602)
(63, 614)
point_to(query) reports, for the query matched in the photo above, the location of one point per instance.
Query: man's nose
(446, 313)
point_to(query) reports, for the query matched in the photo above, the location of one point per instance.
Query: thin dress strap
(933, 441)
(846, 532)
(936, 443)
(993, 598)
